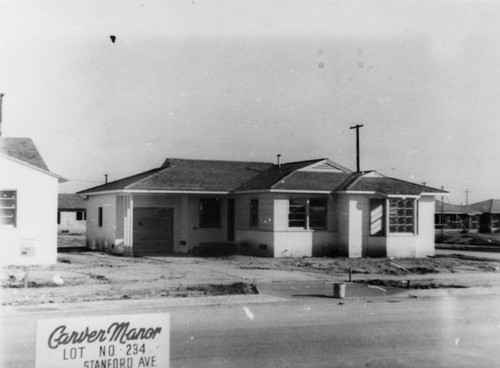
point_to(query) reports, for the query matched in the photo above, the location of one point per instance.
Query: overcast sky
(246, 80)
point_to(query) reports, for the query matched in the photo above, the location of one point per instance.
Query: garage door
(153, 231)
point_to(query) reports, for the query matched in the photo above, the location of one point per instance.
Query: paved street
(307, 331)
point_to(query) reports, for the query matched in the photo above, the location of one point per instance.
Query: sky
(247, 80)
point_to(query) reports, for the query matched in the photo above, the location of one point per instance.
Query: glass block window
(402, 215)
(8, 208)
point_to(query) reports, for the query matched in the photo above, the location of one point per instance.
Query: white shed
(28, 205)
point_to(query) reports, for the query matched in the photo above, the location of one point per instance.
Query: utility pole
(357, 126)
(467, 191)
(442, 213)
(1, 98)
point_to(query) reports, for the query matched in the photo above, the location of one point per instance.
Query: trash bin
(339, 291)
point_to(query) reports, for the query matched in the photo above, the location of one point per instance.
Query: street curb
(444, 292)
(143, 304)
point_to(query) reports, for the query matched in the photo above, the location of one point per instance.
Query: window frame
(376, 203)
(324, 213)
(82, 215)
(299, 203)
(4, 209)
(409, 213)
(305, 222)
(202, 218)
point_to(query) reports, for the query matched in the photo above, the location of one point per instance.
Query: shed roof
(24, 150)
(68, 201)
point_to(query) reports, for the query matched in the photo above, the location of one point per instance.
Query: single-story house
(71, 214)
(489, 220)
(307, 208)
(455, 217)
(28, 205)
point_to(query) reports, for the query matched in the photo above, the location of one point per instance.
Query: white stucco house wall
(307, 208)
(28, 205)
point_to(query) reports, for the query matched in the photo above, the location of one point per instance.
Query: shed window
(254, 213)
(317, 213)
(210, 213)
(297, 213)
(8, 208)
(402, 215)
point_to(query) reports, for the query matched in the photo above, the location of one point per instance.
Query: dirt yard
(82, 275)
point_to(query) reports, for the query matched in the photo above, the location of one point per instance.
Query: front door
(230, 219)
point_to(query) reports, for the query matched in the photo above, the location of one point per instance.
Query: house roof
(287, 176)
(374, 182)
(189, 175)
(488, 206)
(25, 151)
(240, 176)
(443, 207)
(70, 202)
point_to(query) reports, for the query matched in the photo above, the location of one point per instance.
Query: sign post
(121, 341)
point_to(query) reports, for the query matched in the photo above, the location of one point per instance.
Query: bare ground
(89, 276)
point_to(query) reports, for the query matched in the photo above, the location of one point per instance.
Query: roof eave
(58, 177)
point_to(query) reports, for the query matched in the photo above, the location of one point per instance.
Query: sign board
(117, 341)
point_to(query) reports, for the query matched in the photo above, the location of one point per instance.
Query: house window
(317, 213)
(100, 219)
(297, 213)
(402, 215)
(80, 216)
(254, 213)
(8, 208)
(377, 217)
(59, 217)
(210, 213)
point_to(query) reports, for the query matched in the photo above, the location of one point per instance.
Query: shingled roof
(374, 182)
(443, 207)
(68, 201)
(320, 175)
(25, 151)
(189, 175)
(488, 206)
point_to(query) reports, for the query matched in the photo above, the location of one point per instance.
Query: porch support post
(128, 225)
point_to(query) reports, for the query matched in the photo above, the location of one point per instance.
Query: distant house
(307, 208)
(71, 214)
(28, 204)
(455, 217)
(489, 220)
